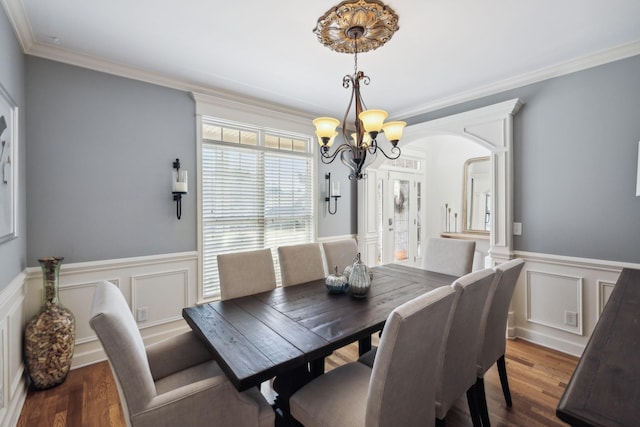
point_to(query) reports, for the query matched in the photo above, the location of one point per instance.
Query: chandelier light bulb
(372, 120)
(393, 131)
(326, 127)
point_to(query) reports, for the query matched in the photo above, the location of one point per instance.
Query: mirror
(476, 196)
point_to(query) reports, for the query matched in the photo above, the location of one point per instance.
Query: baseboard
(549, 341)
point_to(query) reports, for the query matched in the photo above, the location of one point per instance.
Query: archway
(491, 127)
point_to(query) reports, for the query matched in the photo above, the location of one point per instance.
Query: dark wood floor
(537, 376)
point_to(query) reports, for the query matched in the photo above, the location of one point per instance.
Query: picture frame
(8, 166)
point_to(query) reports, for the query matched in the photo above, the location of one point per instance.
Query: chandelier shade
(353, 27)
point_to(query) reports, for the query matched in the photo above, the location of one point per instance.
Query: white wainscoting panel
(163, 284)
(13, 390)
(550, 295)
(605, 289)
(163, 295)
(550, 285)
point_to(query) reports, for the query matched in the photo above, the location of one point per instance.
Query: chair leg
(482, 403)
(472, 400)
(502, 371)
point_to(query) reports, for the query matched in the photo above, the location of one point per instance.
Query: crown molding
(59, 54)
(20, 23)
(572, 66)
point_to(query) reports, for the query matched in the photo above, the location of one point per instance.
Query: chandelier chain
(355, 58)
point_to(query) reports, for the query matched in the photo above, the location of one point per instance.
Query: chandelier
(356, 26)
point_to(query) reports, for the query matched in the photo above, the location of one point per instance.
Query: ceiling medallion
(355, 27)
(371, 21)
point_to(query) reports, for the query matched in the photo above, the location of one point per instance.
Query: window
(257, 192)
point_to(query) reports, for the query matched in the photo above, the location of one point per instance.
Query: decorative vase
(51, 334)
(359, 279)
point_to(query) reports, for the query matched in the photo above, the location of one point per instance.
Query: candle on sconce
(180, 182)
(335, 189)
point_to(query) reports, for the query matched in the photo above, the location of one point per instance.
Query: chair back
(494, 319)
(402, 385)
(113, 323)
(246, 273)
(300, 263)
(340, 253)
(449, 256)
(459, 364)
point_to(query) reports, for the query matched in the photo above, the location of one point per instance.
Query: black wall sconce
(179, 186)
(332, 191)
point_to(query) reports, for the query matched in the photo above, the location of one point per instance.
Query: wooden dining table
(283, 331)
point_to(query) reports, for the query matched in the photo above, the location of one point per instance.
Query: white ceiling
(446, 51)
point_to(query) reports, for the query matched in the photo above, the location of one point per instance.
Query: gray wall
(575, 160)
(13, 253)
(345, 220)
(99, 160)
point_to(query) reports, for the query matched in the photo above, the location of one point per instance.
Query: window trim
(206, 110)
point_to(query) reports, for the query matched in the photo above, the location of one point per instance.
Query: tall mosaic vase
(51, 334)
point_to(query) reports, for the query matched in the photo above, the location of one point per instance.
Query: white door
(401, 220)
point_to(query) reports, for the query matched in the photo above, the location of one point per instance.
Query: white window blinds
(256, 194)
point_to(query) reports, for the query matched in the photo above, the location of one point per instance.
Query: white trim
(638, 181)
(15, 286)
(204, 103)
(549, 341)
(592, 264)
(132, 262)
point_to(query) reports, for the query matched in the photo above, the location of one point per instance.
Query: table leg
(317, 367)
(364, 345)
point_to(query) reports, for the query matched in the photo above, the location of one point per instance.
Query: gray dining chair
(400, 388)
(246, 273)
(340, 254)
(457, 372)
(493, 333)
(173, 382)
(300, 263)
(459, 368)
(449, 256)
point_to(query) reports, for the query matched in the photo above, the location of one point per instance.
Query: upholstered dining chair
(246, 273)
(457, 370)
(449, 256)
(300, 263)
(173, 382)
(340, 253)
(458, 373)
(400, 388)
(493, 328)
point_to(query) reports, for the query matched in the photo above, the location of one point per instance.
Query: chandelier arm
(348, 163)
(329, 158)
(395, 152)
